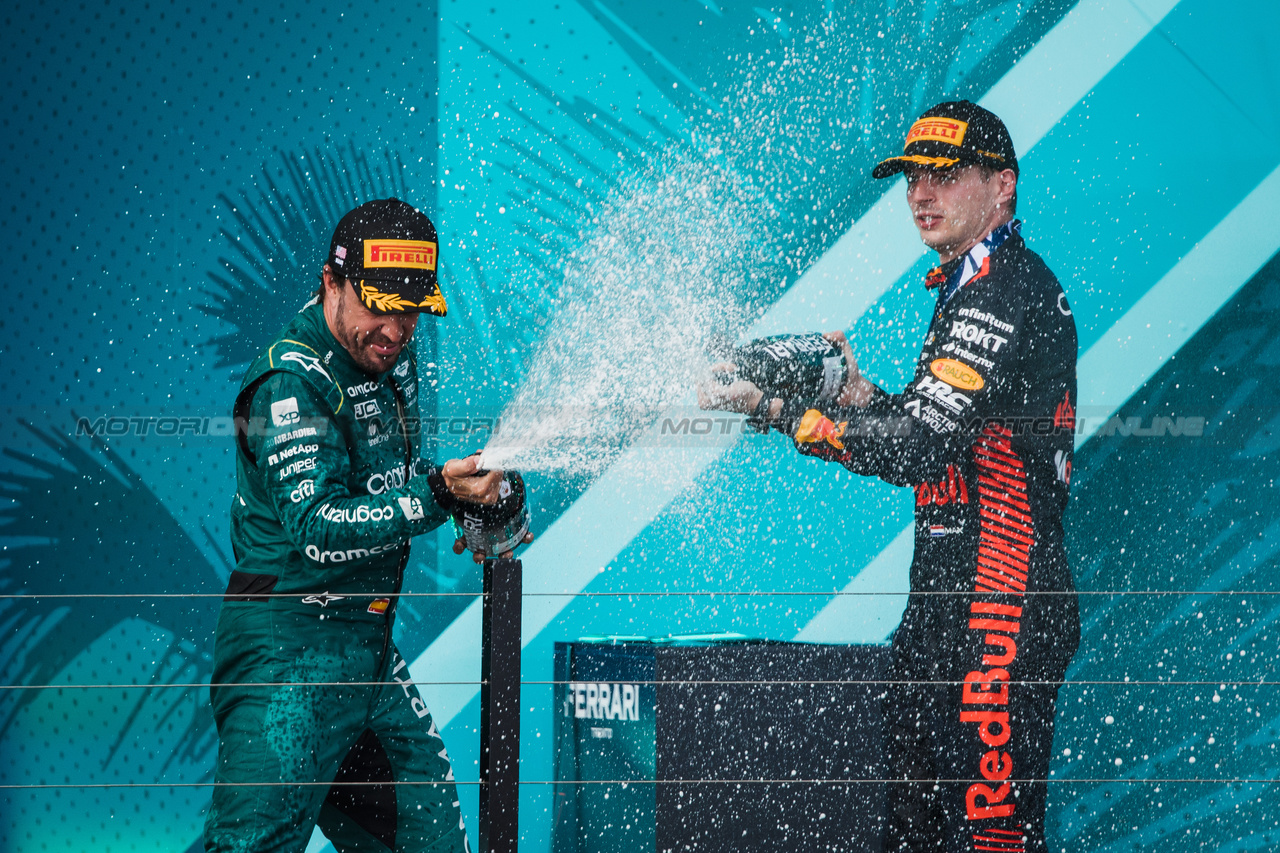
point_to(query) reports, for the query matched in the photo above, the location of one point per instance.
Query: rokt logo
(975, 334)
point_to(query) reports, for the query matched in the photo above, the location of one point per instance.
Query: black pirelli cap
(953, 134)
(388, 250)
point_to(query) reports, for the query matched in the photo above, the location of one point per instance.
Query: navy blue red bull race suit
(984, 435)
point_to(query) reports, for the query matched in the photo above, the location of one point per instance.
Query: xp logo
(412, 508)
(305, 489)
(943, 394)
(402, 369)
(322, 599)
(285, 412)
(308, 362)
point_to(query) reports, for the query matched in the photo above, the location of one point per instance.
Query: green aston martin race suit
(318, 721)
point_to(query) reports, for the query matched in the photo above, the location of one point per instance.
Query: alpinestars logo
(285, 412)
(322, 599)
(308, 362)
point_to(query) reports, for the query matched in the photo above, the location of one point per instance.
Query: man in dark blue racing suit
(984, 435)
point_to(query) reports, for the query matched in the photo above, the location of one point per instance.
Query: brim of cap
(397, 296)
(894, 165)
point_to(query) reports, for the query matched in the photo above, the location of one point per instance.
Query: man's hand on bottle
(462, 478)
(740, 395)
(460, 545)
(464, 482)
(856, 390)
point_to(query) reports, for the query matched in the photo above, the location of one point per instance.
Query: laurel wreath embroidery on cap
(384, 301)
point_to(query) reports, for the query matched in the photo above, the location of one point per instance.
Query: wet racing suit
(984, 435)
(329, 492)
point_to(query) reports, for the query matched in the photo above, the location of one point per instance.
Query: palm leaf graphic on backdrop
(86, 523)
(278, 235)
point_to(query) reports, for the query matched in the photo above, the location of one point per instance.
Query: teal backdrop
(171, 176)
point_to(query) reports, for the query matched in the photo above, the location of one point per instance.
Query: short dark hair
(318, 296)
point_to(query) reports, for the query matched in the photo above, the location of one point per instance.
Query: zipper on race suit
(404, 553)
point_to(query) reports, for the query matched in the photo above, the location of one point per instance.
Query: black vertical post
(500, 708)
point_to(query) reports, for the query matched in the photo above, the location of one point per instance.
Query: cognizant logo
(379, 483)
(358, 514)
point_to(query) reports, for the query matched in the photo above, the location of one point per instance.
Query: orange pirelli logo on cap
(401, 254)
(948, 130)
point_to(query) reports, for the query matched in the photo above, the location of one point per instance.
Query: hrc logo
(948, 130)
(410, 254)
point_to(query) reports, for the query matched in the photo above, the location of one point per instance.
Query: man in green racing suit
(318, 721)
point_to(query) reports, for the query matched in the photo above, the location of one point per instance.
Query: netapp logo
(599, 700)
(289, 452)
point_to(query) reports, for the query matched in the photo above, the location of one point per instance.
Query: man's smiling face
(374, 341)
